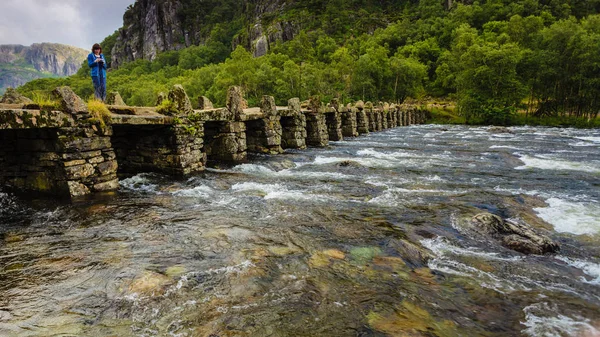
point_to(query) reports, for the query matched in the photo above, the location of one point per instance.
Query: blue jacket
(96, 66)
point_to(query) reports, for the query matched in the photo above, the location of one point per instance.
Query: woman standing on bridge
(97, 63)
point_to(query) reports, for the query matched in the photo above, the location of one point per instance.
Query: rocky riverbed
(372, 236)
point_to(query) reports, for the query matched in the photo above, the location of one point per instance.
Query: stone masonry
(71, 151)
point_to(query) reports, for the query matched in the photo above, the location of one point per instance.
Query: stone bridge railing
(72, 152)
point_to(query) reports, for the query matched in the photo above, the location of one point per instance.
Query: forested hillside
(492, 57)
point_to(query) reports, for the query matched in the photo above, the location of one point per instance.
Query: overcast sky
(78, 23)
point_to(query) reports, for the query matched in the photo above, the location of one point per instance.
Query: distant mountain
(21, 64)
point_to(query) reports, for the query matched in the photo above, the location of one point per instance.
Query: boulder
(499, 129)
(360, 105)
(11, 96)
(69, 101)
(348, 163)
(179, 97)
(114, 98)
(514, 234)
(204, 103)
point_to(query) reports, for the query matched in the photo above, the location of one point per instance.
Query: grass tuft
(45, 102)
(167, 107)
(99, 111)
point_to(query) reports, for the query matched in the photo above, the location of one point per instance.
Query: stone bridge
(70, 151)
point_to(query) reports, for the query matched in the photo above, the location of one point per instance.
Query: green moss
(167, 107)
(363, 255)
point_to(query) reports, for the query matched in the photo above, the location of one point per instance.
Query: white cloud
(75, 22)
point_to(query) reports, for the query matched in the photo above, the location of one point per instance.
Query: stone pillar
(349, 126)
(391, 115)
(293, 123)
(316, 129)
(180, 99)
(382, 116)
(88, 159)
(316, 124)
(362, 118)
(170, 149)
(264, 135)
(236, 103)
(381, 119)
(225, 141)
(372, 116)
(68, 161)
(397, 115)
(334, 121)
(204, 103)
(384, 120)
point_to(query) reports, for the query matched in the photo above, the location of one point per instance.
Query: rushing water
(363, 238)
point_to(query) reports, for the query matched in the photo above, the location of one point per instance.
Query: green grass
(166, 107)
(45, 102)
(556, 121)
(99, 112)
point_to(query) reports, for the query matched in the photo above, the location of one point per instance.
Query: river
(364, 238)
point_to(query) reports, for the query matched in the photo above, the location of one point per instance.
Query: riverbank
(448, 115)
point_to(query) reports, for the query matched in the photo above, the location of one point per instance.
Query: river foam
(591, 269)
(540, 324)
(571, 217)
(140, 183)
(532, 162)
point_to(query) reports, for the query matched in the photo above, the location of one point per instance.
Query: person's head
(96, 49)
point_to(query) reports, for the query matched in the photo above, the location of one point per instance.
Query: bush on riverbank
(449, 116)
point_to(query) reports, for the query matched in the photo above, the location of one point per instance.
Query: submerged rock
(349, 163)
(149, 283)
(499, 129)
(515, 235)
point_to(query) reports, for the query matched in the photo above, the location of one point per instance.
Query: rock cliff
(21, 64)
(154, 26)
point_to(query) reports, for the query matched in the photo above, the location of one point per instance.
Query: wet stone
(515, 235)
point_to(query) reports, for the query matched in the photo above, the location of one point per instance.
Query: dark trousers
(99, 87)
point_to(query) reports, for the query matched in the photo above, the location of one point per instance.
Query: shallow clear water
(364, 238)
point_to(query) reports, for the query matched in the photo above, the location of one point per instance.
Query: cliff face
(154, 26)
(21, 64)
(149, 27)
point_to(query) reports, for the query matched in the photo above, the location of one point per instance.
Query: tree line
(494, 58)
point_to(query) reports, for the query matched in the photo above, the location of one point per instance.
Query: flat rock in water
(515, 235)
(499, 129)
(348, 163)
